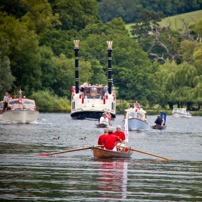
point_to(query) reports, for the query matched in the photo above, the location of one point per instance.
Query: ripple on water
(77, 176)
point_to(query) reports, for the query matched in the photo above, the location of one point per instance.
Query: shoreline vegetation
(55, 104)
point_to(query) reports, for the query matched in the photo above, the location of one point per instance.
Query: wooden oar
(144, 152)
(68, 151)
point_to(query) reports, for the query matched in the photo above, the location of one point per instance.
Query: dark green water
(77, 176)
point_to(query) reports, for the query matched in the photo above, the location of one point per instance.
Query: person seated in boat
(93, 88)
(104, 119)
(121, 135)
(158, 120)
(101, 138)
(105, 89)
(5, 101)
(111, 140)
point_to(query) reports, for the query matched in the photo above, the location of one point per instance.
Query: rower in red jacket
(111, 140)
(101, 138)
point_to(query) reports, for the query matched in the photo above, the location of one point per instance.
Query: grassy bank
(176, 20)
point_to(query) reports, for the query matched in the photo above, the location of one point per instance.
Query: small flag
(126, 129)
(109, 117)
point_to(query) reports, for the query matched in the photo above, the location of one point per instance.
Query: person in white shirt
(5, 101)
(104, 119)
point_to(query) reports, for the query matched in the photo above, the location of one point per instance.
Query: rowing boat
(101, 125)
(103, 153)
(159, 127)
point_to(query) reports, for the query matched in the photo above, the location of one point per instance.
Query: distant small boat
(21, 110)
(163, 126)
(103, 153)
(181, 113)
(136, 119)
(101, 125)
(159, 127)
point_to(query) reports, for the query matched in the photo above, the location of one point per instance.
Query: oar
(144, 152)
(68, 151)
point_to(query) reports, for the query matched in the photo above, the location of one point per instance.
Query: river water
(77, 176)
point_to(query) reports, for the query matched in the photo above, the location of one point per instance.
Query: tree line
(37, 54)
(129, 10)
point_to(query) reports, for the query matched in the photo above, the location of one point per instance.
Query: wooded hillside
(155, 65)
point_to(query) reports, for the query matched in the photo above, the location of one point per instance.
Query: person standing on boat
(111, 140)
(104, 119)
(73, 89)
(163, 120)
(5, 101)
(158, 120)
(101, 138)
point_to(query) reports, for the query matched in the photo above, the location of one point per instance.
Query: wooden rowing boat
(101, 125)
(159, 127)
(103, 153)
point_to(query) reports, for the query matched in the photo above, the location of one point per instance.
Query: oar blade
(42, 155)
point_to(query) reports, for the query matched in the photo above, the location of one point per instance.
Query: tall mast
(109, 66)
(76, 50)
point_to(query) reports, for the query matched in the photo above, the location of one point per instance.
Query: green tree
(23, 53)
(39, 16)
(6, 78)
(147, 20)
(75, 14)
(64, 74)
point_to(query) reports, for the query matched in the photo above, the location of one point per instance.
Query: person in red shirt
(111, 140)
(119, 134)
(101, 138)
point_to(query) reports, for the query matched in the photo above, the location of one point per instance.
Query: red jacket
(121, 135)
(110, 140)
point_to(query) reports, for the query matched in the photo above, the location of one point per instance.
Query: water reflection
(112, 177)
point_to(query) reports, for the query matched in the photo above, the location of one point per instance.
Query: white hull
(20, 116)
(136, 124)
(181, 115)
(92, 108)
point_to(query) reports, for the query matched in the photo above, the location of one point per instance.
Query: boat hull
(101, 125)
(103, 153)
(136, 124)
(181, 115)
(158, 127)
(89, 115)
(20, 116)
(92, 107)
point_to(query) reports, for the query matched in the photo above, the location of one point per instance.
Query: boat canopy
(93, 91)
(24, 101)
(179, 110)
(131, 114)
